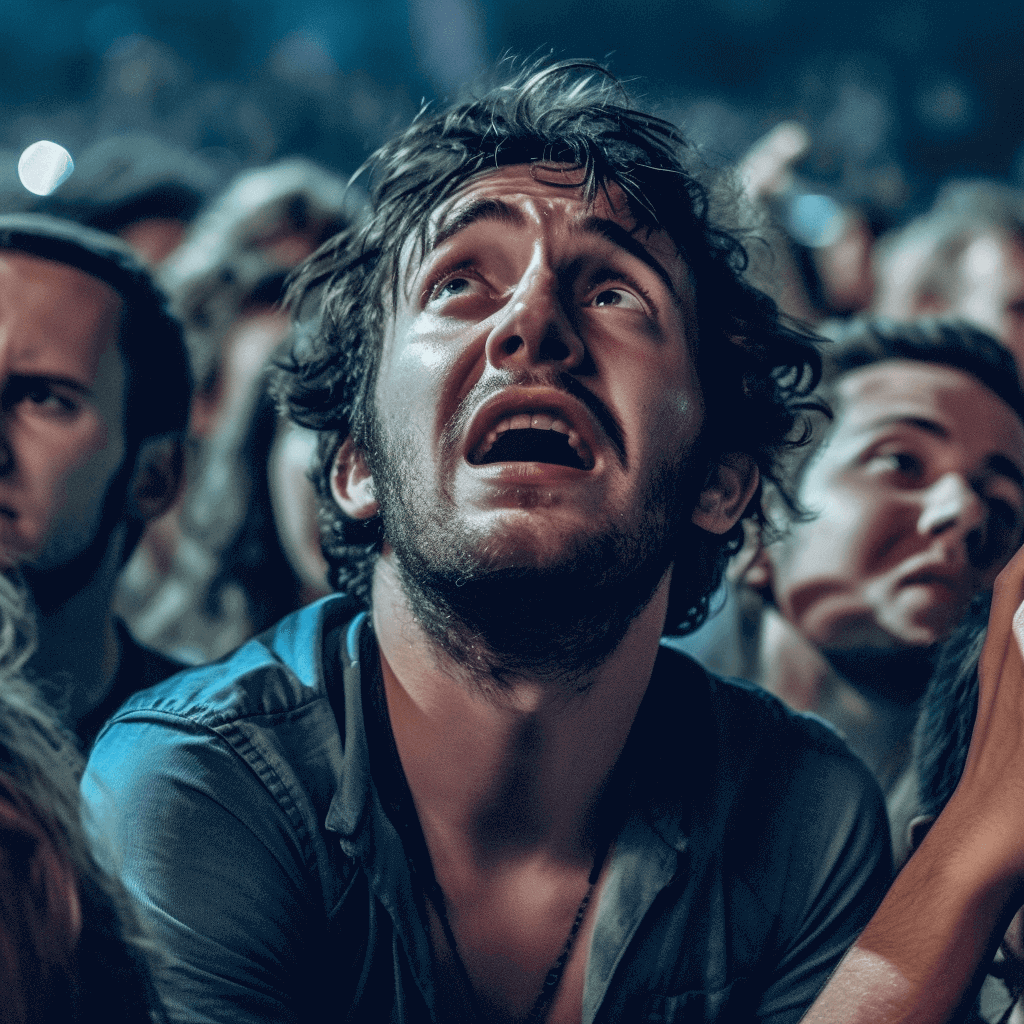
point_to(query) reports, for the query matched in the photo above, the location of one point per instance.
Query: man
(94, 393)
(211, 574)
(915, 495)
(545, 400)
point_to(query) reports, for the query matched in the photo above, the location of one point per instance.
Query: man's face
(62, 393)
(917, 501)
(536, 390)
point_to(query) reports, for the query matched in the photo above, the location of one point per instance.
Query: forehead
(57, 307)
(908, 390)
(550, 199)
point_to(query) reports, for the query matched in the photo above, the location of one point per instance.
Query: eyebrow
(53, 379)
(997, 463)
(930, 426)
(1006, 467)
(620, 237)
(474, 212)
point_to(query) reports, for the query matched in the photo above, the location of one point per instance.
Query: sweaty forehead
(551, 198)
(551, 186)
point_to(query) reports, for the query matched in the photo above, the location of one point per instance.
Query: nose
(534, 328)
(953, 509)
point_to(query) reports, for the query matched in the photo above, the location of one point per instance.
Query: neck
(509, 773)
(870, 696)
(77, 654)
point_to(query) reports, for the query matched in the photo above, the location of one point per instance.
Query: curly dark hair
(755, 371)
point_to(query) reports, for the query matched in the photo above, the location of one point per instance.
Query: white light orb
(44, 166)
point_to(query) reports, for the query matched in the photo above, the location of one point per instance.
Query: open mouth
(533, 437)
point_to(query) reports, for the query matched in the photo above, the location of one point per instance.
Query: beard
(552, 621)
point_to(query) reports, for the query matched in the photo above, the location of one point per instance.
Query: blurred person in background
(914, 500)
(94, 398)
(813, 250)
(138, 187)
(71, 946)
(215, 571)
(964, 258)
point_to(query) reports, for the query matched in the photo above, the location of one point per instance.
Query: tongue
(534, 446)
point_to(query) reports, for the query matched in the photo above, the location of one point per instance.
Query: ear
(158, 476)
(352, 484)
(918, 829)
(731, 485)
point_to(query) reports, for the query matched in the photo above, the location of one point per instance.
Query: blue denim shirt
(238, 803)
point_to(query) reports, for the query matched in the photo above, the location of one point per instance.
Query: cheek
(839, 549)
(422, 381)
(659, 409)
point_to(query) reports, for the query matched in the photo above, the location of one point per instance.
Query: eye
(40, 395)
(454, 284)
(903, 464)
(620, 297)
(450, 288)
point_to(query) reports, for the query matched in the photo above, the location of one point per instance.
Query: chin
(519, 544)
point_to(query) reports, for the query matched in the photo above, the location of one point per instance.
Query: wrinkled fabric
(237, 802)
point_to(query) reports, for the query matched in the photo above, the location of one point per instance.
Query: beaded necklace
(401, 810)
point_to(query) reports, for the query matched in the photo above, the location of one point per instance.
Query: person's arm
(921, 956)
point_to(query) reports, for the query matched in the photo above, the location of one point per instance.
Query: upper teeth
(534, 421)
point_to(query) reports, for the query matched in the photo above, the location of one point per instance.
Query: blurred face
(918, 504)
(62, 394)
(294, 503)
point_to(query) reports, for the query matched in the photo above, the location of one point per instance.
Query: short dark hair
(867, 340)
(754, 369)
(159, 384)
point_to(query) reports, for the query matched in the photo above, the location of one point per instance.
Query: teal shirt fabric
(237, 802)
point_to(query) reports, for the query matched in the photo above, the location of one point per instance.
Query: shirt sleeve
(214, 863)
(840, 865)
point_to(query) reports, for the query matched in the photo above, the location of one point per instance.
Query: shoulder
(753, 748)
(742, 711)
(272, 675)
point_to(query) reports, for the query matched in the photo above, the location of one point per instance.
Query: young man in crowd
(915, 500)
(94, 397)
(545, 400)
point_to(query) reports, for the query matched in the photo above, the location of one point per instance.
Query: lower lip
(530, 472)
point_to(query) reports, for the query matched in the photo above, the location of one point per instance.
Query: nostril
(554, 349)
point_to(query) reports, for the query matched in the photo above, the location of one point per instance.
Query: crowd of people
(524, 584)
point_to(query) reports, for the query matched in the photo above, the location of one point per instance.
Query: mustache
(502, 379)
